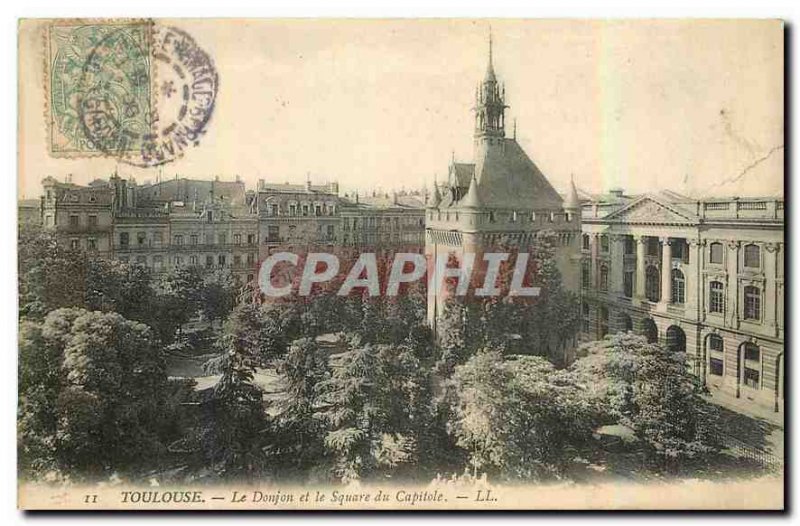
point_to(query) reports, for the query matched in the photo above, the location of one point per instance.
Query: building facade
(82, 215)
(217, 224)
(384, 221)
(500, 199)
(297, 217)
(703, 276)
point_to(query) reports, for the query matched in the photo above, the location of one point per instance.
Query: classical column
(732, 284)
(770, 290)
(694, 280)
(594, 250)
(641, 241)
(616, 264)
(666, 270)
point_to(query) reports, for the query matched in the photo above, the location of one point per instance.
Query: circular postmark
(146, 103)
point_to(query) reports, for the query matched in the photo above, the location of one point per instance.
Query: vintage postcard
(406, 264)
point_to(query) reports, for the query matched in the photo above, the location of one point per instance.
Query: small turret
(471, 200)
(437, 195)
(572, 202)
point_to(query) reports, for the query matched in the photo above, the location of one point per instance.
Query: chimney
(308, 182)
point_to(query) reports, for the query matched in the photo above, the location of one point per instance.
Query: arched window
(627, 283)
(603, 321)
(715, 253)
(586, 275)
(752, 256)
(752, 303)
(604, 277)
(652, 284)
(650, 330)
(678, 287)
(716, 297)
(585, 241)
(716, 360)
(752, 365)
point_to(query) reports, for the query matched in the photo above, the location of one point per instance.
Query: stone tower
(502, 198)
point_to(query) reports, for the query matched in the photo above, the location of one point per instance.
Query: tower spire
(490, 47)
(490, 107)
(490, 76)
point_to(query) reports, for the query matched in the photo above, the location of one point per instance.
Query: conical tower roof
(437, 195)
(572, 200)
(472, 200)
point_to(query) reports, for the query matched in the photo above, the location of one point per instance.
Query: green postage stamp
(99, 87)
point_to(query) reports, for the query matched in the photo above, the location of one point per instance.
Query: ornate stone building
(218, 224)
(704, 276)
(297, 217)
(384, 221)
(501, 199)
(82, 215)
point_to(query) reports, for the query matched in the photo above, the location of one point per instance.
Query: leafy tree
(518, 418)
(648, 388)
(351, 395)
(93, 394)
(219, 295)
(234, 422)
(51, 276)
(301, 430)
(114, 286)
(258, 332)
(182, 294)
(541, 325)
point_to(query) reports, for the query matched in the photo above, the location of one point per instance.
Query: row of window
(273, 209)
(511, 217)
(179, 239)
(751, 371)
(716, 294)
(221, 261)
(75, 221)
(751, 257)
(395, 222)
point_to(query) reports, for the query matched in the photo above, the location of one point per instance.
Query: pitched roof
(653, 208)
(294, 188)
(461, 174)
(508, 178)
(385, 202)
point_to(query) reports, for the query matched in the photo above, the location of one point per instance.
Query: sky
(691, 106)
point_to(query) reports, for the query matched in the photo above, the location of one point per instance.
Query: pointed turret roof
(572, 200)
(437, 196)
(472, 199)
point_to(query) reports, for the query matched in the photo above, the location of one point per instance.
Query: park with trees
(330, 388)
